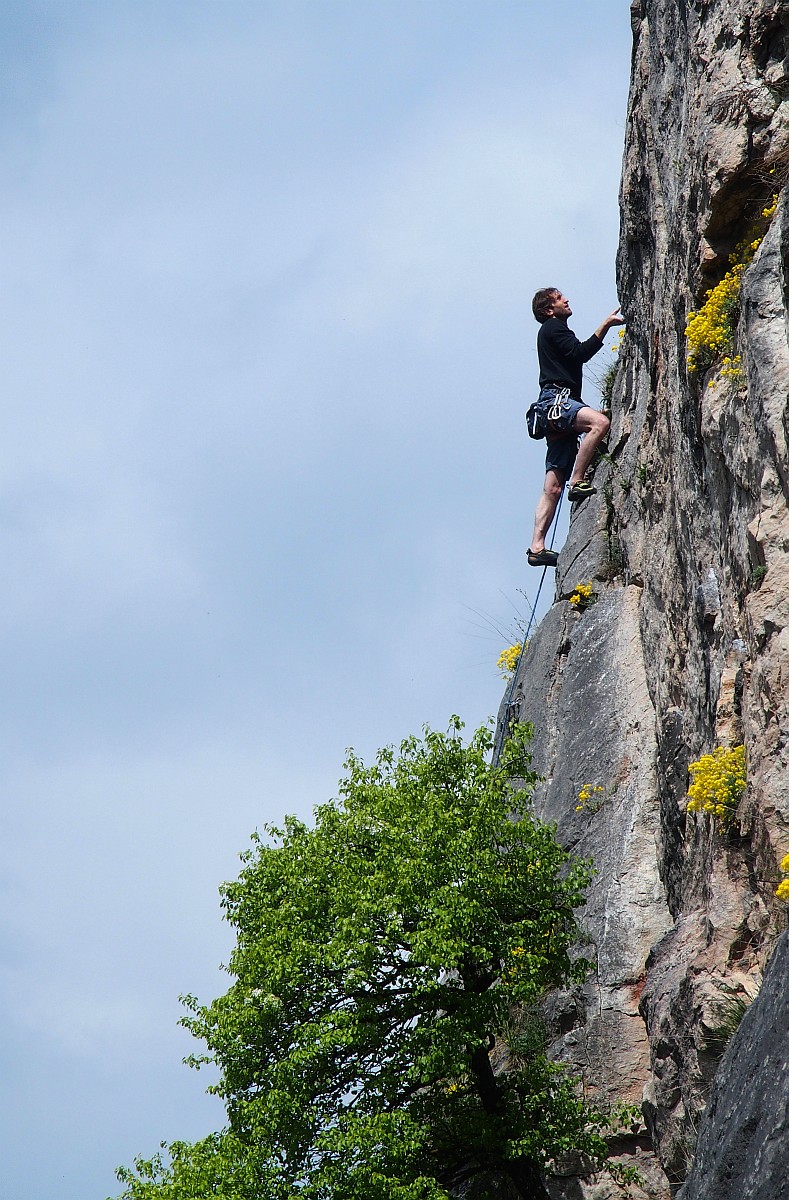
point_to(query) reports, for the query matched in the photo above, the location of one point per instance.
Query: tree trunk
(488, 1089)
(527, 1179)
(523, 1172)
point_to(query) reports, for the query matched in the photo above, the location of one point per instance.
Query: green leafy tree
(381, 954)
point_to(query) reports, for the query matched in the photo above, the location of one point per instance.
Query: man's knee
(591, 420)
(599, 422)
(552, 487)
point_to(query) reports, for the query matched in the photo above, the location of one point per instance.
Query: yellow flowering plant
(591, 797)
(711, 331)
(732, 366)
(582, 596)
(718, 782)
(508, 659)
(782, 891)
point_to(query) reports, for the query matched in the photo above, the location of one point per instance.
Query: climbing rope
(508, 703)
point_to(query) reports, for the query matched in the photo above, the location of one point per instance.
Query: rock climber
(561, 356)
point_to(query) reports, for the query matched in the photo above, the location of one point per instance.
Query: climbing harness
(508, 705)
(551, 415)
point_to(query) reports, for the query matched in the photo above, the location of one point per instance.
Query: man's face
(561, 306)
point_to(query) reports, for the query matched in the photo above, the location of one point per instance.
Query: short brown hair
(543, 300)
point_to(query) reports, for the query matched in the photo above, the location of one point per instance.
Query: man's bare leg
(546, 507)
(595, 425)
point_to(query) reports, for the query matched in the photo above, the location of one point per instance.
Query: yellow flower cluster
(508, 659)
(710, 330)
(770, 210)
(617, 346)
(591, 796)
(582, 596)
(732, 366)
(718, 783)
(782, 891)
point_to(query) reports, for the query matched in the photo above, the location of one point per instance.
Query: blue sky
(265, 488)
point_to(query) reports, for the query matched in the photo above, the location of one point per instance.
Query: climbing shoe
(545, 558)
(581, 490)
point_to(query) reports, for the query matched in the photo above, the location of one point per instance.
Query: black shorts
(561, 451)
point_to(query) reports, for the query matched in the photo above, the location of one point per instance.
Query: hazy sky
(265, 349)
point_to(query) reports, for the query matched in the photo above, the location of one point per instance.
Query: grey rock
(708, 597)
(742, 1145)
(582, 683)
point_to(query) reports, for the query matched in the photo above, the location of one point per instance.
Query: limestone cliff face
(687, 646)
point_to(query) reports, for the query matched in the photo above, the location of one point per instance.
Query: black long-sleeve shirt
(562, 356)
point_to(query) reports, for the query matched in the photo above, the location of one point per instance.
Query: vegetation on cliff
(711, 332)
(718, 783)
(381, 955)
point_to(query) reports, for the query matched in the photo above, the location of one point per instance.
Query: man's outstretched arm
(611, 320)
